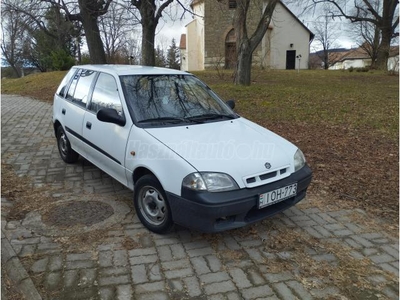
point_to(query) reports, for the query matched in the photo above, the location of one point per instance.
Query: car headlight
(299, 160)
(212, 182)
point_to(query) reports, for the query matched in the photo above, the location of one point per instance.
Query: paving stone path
(125, 261)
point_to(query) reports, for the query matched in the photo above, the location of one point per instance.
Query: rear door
(106, 142)
(74, 106)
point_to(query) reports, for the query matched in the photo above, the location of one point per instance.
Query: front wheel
(151, 205)
(64, 147)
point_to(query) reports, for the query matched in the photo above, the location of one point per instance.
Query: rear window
(79, 89)
(62, 89)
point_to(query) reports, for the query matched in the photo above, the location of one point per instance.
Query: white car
(188, 157)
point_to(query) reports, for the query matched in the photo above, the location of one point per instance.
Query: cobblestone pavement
(307, 252)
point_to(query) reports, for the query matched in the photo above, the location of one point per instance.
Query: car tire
(64, 147)
(151, 205)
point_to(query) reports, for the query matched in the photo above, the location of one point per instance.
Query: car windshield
(173, 98)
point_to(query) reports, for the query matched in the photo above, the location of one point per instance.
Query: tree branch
(372, 10)
(353, 19)
(33, 17)
(161, 8)
(262, 26)
(187, 10)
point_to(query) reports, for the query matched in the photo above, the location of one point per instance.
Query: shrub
(365, 69)
(85, 59)
(61, 60)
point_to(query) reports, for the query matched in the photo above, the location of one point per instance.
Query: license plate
(277, 195)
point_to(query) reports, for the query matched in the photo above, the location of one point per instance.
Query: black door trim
(77, 135)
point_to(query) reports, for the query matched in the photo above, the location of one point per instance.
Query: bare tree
(116, 27)
(246, 44)
(385, 17)
(133, 48)
(13, 27)
(86, 12)
(150, 13)
(89, 12)
(326, 34)
(367, 35)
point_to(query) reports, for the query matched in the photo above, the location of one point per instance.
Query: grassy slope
(41, 86)
(346, 123)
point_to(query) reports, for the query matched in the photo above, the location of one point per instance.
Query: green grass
(41, 86)
(369, 100)
(357, 100)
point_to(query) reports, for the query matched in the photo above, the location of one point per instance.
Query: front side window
(79, 89)
(175, 97)
(105, 94)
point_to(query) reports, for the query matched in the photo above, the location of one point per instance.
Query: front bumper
(213, 212)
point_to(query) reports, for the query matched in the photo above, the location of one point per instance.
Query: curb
(16, 272)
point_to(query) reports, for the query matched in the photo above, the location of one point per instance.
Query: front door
(106, 142)
(230, 55)
(230, 50)
(290, 59)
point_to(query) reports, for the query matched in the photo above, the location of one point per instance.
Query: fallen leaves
(351, 167)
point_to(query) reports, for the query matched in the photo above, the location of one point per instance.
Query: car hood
(236, 147)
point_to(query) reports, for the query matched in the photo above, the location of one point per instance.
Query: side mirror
(110, 115)
(231, 103)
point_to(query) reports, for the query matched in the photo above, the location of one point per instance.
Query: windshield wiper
(164, 119)
(212, 116)
(170, 120)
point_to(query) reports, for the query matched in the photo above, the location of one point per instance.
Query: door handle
(63, 111)
(88, 125)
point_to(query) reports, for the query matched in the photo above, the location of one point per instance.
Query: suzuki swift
(187, 156)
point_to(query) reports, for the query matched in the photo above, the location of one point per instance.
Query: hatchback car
(188, 157)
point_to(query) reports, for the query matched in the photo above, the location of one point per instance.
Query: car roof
(132, 70)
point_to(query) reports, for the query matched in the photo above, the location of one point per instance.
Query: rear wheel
(151, 205)
(64, 147)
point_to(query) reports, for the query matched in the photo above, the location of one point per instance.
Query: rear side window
(79, 89)
(62, 89)
(105, 94)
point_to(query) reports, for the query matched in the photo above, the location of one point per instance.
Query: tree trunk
(387, 25)
(383, 49)
(385, 19)
(150, 15)
(92, 33)
(148, 37)
(326, 59)
(16, 70)
(245, 46)
(372, 49)
(244, 64)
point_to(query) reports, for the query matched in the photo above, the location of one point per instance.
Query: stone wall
(218, 22)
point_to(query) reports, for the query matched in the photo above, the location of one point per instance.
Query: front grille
(267, 176)
(264, 178)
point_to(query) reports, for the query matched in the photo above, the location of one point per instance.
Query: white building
(210, 42)
(359, 58)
